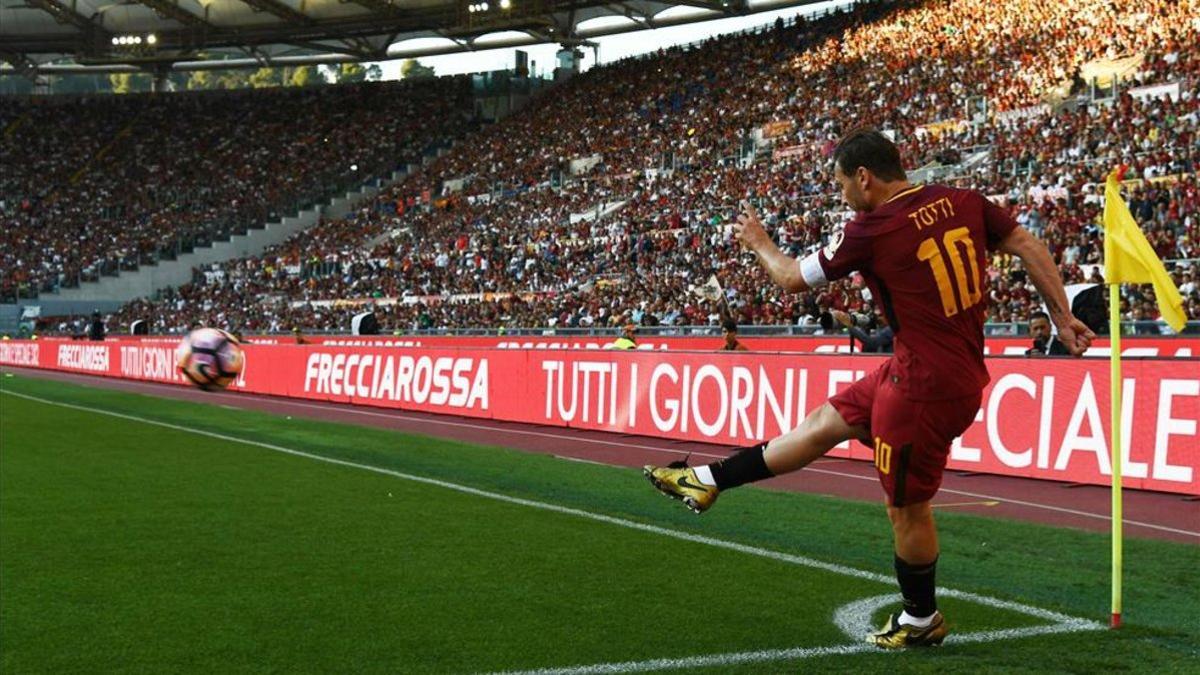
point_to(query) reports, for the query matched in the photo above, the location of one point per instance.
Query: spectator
(628, 339)
(1044, 343)
(878, 341)
(731, 343)
(96, 328)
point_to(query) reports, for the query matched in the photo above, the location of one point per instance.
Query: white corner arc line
(1061, 622)
(793, 654)
(854, 618)
(702, 661)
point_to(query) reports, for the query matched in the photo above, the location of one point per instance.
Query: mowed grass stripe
(153, 548)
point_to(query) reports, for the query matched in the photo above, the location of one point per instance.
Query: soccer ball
(210, 358)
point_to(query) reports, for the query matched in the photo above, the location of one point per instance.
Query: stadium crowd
(985, 94)
(94, 185)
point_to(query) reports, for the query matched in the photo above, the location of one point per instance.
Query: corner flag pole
(1115, 384)
(1128, 258)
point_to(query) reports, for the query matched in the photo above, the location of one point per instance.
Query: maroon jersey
(923, 254)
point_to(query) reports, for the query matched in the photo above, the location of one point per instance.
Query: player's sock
(744, 466)
(917, 589)
(705, 476)
(923, 622)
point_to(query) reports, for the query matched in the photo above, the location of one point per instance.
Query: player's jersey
(924, 256)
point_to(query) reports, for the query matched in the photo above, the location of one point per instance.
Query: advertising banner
(1040, 418)
(1178, 347)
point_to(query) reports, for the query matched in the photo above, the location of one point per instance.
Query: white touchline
(596, 441)
(1061, 622)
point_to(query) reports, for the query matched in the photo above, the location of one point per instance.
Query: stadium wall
(1045, 419)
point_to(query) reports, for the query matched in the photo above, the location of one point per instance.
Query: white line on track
(576, 440)
(1061, 623)
(1019, 502)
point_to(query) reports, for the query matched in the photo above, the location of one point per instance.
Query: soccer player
(922, 250)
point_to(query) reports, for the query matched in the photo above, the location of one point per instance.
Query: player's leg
(912, 446)
(817, 434)
(916, 546)
(699, 486)
(845, 416)
(914, 532)
(919, 623)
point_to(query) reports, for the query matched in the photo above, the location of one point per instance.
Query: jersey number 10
(958, 245)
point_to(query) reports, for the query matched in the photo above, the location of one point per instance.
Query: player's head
(1039, 325)
(865, 163)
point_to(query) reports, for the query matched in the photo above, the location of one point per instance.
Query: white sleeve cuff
(811, 270)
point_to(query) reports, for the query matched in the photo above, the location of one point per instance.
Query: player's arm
(783, 269)
(1073, 333)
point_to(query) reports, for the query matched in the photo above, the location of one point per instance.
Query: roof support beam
(363, 47)
(171, 10)
(633, 14)
(714, 5)
(281, 10)
(381, 7)
(64, 14)
(344, 48)
(20, 63)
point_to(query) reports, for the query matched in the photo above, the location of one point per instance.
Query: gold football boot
(895, 635)
(679, 481)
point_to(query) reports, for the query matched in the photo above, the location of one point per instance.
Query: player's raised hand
(749, 230)
(1076, 336)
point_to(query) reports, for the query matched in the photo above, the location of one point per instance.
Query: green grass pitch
(127, 546)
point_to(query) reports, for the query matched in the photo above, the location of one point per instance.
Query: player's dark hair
(867, 147)
(1039, 315)
(729, 325)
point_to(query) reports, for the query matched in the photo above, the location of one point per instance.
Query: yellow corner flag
(1129, 259)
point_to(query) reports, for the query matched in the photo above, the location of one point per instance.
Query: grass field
(203, 538)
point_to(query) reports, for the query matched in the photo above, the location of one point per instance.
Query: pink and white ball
(210, 358)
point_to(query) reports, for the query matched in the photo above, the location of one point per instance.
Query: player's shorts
(911, 439)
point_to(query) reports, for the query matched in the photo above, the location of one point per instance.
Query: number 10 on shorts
(883, 456)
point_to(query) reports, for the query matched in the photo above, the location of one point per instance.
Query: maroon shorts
(911, 439)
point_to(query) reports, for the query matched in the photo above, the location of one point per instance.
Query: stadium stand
(203, 166)
(1005, 96)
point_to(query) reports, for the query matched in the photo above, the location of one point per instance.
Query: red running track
(1147, 514)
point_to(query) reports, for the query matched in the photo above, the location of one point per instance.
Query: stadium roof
(125, 35)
